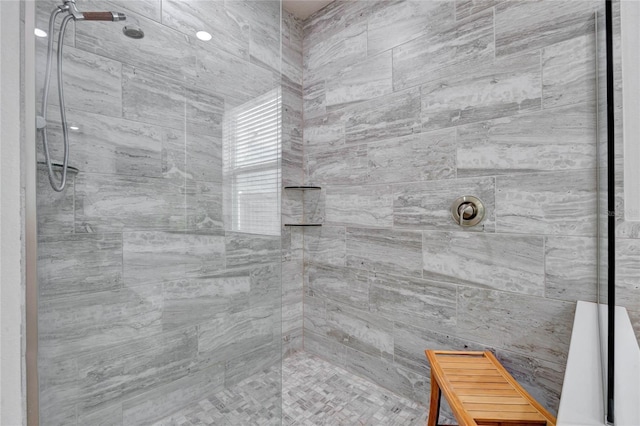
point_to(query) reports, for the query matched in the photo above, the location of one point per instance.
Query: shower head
(132, 32)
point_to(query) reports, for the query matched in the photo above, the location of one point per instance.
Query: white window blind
(252, 165)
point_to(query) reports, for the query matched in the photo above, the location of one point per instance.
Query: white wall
(11, 276)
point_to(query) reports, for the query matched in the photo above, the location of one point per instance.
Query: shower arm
(70, 6)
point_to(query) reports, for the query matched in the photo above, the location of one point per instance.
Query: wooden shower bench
(481, 392)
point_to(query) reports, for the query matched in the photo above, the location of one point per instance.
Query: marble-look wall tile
(315, 315)
(570, 268)
(513, 263)
(250, 250)
(557, 139)
(292, 244)
(163, 401)
(324, 347)
(126, 148)
(291, 65)
(423, 156)
(292, 342)
(72, 264)
(315, 206)
(233, 78)
(410, 342)
(390, 376)
(292, 318)
(340, 284)
(109, 203)
(193, 301)
(507, 87)
(291, 133)
(560, 203)
(292, 31)
(109, 416)
(204, 157)
(324, 132)
(204, 207)
(58, 389)
(466, 41)
(569, 74)
(92, 83)
(152, 98)
(155, 257)
(518, 24)
(263, 19)
(232, 31)
(88, 322)
(54, 209)
(427, 205)
(527, 325)
(466, 8)
(360, 330)
(149, 8)
(315, 99)
(400, 22)
(266, 287)
(226, 337)
(341, 166)
(386, 117)
(162, 50)
(370, 206)
(325, 245)
(382, 250)
(204, 112)
(250, 363)
(337, 16)
(365, 80)
(424, 303)
(335, 52)
(121, 372)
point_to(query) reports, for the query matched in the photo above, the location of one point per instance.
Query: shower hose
(42, 120)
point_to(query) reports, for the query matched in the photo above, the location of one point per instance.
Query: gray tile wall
(409, 105)
(292, 175)
(147, 303)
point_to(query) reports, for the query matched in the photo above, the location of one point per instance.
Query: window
(252, 165)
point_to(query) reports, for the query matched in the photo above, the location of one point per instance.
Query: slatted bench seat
(481, 392)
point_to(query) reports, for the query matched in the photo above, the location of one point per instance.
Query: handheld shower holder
(72, 9)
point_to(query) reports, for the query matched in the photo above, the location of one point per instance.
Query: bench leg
(434, 405)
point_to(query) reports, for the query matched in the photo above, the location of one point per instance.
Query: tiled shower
(154, 291)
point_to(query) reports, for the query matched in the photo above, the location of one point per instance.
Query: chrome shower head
(135, 33)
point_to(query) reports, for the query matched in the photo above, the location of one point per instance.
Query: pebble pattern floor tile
(315, 392)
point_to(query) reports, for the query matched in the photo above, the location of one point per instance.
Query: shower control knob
(467, 210)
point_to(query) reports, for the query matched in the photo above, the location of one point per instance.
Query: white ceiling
(304, 8)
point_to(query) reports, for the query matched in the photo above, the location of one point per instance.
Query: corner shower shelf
(303, 188)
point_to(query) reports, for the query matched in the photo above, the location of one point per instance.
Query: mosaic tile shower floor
(315, 392)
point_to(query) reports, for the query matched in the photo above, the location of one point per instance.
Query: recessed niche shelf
(302, 188)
